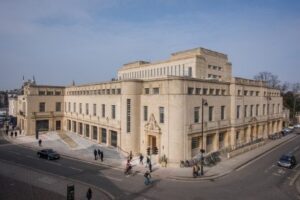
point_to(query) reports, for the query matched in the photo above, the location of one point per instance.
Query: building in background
(157, 107)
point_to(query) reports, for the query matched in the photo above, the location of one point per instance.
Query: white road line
(14, 152)
(110, 177)
(294, 178)
(54, 163)
(267, 170)
(32, 157)
(77, 169)
(296, 148)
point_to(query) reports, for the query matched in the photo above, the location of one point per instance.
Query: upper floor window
(147, 91)
(196, 114)
(155, 90)
(94, 109)
(86, 108)
(161, 115)
(42, 107)
(145, 113)
(222, 112)
(103, 110)
(42, 92)
(113, 111)
(74, 107)
(210, 113)
(245, 111)
(238, 111)
(80, 108)
(58, 106)
(190, 90)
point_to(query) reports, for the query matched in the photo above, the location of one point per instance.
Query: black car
(288, 161)
(48, 154)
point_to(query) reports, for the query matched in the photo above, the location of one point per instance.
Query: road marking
(14, 152)
(269, 168)
(77, 169)
(294, 178)
(54, 163)
(32, 157)
(110, 177)
(296, 148)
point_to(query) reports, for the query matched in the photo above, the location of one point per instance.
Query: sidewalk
(112, 158)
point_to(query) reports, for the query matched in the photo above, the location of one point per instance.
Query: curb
(217, 176)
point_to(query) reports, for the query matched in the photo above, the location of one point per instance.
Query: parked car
(286, 131)
(297, 126)
(287, 160)
(48, 154)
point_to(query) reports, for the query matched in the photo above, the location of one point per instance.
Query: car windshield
(51, 151)
(285, 158)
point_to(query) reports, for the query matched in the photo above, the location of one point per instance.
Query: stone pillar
(216, 141)
(108, 137)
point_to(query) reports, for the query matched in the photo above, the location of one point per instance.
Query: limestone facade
(159, 106)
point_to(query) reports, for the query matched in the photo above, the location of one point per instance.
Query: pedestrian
(101, 156)
(130, 155)
(40, 142)
(11, 133)
(89, 194)
(147, 176)
(95, 154)
(147, 161)
(141, 159)
(99, 153)
(16, 133)
(195, 171)
(150, 167)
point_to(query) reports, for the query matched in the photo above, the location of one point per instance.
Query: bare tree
(271, 79)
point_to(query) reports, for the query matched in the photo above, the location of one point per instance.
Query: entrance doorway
(58, 125)
(151, 141)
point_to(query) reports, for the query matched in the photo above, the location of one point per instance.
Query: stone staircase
(68, 140)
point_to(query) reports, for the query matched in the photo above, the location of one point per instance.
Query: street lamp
(202, 151)
(268, 112)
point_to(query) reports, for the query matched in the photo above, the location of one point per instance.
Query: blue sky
(58, 41)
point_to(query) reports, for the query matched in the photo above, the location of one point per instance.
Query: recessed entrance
(151, 141)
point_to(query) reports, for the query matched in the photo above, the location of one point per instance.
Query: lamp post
(202, 151)
(268, 112)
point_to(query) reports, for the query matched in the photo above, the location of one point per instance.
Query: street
(259, 179)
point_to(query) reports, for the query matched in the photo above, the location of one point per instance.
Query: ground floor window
(58, 125)
(209, 143)
(69, 125)
(42, 125)
(114, 138)
(87, 130)
(195, 142)
(222, 140)
(80, 128)
(103, 135)
(74, 127)
(95, 133)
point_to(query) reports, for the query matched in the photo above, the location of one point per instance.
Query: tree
(271, 79)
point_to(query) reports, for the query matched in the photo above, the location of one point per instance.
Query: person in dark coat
(95, 154)
(148, 161)
(150, 167)
(16, 133)
(141, 159)
(40, 142)
(101, 156)
(99, 153)
(89, 194)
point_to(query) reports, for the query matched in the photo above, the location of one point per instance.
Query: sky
(87, 41)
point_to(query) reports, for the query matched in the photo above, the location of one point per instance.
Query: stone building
(158, 106)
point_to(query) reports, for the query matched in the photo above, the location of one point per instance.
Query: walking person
(89, 194)
(40, 142)
(95, 154)
(150, 166)
(101, 156)
(99, 153)
(148, 161)
(11, 134)
(195, 170)
(147, 176)
(130, 155)
(141, 159)
(16, 133)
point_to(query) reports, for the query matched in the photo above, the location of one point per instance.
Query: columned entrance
(152, 137)
(152, 141)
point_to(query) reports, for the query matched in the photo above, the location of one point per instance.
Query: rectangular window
(86, 108)
(145, 113)
(222, 112)
(245, 111)
(278, 108)
(190, 90)
(264, 109)
(239, 92)
(95, 132)
(128, 101)
(251, 111)
(204, 91)
(94, 109)
(198, 91)
(113, 111)
(195, 142)
(74, 107)
(217, 91)
(42, 93)
(190, 72)
(210, 113)
(155, 90)
(103, 110)
(257, 108)
(103, 135)
(80, 108)
(69, 106)
(58, 106)
(147, 91)
(161, 115)
(245, 92)
(42, 107)
(238, 111)
(87, 130)
(196, 114)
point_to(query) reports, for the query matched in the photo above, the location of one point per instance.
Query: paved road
(260, 179)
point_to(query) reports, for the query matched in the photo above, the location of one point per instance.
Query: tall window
(94, 109)
(103, 110)
(238, 111)
(190, 72)
(145, 113)
(58, 107)
(155, 90)
(196, 114)
(42, 107)
(74, 107)
(222, 112)
(257, 107)
(69, 106)
(80, 108)
(128, 101)
(245, 111)
(113, 111)
(210, 113)
(264, 109)
(251, 111)
(161, 115)
(86, 108)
